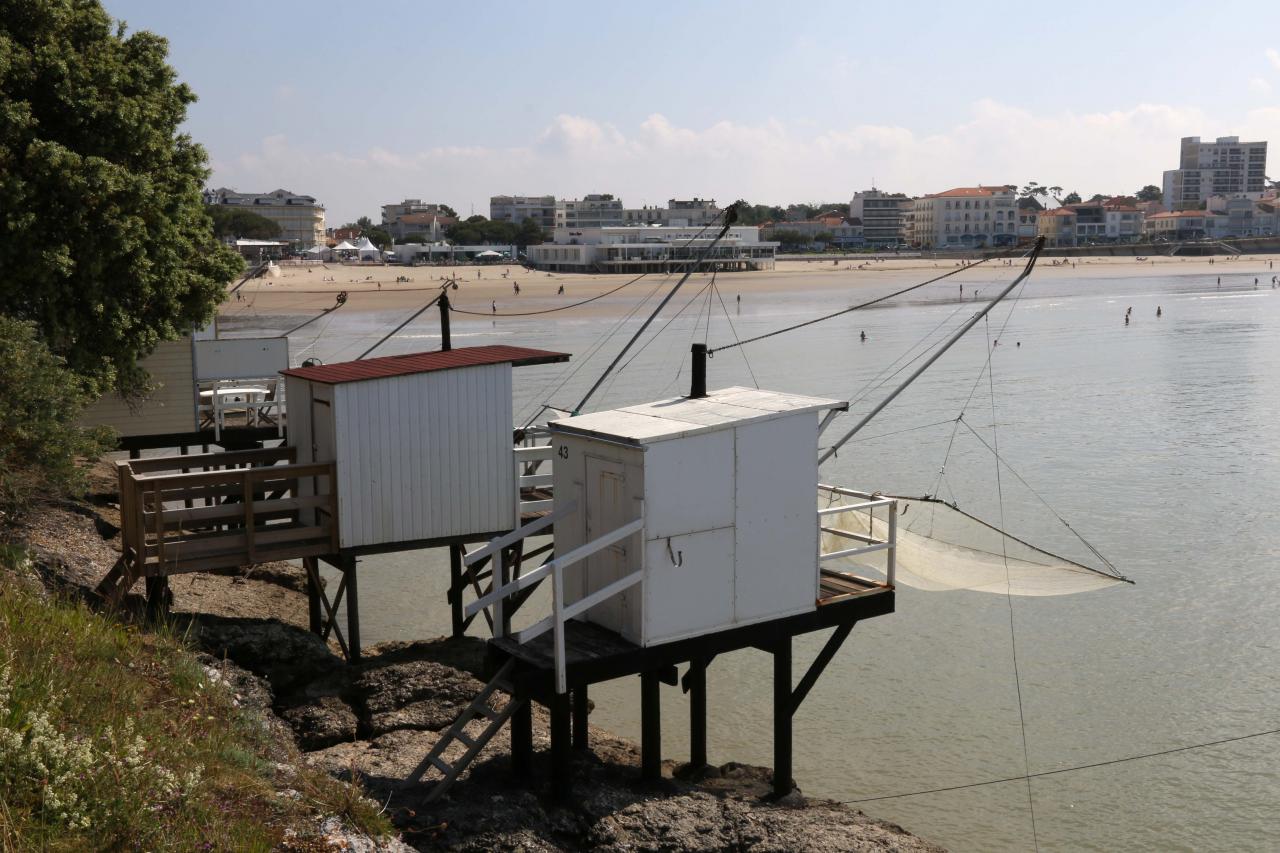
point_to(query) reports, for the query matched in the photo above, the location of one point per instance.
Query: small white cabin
(422, 442)
(727, 485)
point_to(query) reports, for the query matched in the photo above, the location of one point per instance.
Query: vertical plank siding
(425, 456)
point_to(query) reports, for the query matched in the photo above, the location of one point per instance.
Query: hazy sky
(365, 104)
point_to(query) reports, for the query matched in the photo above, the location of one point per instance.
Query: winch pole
(960, 333)
(730, 217)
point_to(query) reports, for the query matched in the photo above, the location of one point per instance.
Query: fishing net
(941, 547)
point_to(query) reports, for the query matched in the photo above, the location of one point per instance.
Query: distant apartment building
(1057, 227)
(429, 225)
(881, 215)
(629, 249)
(300, 217)
(517, 208)
(598, 210)
(1226, 167)
(832, 228)
(1185, 225)
(1113, 220)
(679, 213)
(965, 217)
(1028, 219)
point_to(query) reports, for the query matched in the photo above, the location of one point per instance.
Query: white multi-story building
(598, 210)
(881, 215)
(678, 212)
(300, 217)
(966, 217)
(391, 213)
(517, 208)
(636, 249)
(1226, 167)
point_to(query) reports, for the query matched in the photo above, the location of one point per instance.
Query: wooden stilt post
(157, 597)
(522, 738)
(580, 738)
(782, 718)
(561, 781)
(698, 713)
(455, 589)
(650, 727)
(353, 610)
(314, 618)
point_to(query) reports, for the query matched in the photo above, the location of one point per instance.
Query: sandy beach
(307, 288)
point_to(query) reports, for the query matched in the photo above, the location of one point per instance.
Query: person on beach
(561, 290)
(740, 297)
(494, 306)
(864, 337)
(515, 287)
(1159, 312)
(1126, 319)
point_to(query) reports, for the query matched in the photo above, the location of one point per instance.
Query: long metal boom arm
(960, 333)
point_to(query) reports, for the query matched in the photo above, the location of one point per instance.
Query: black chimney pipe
(699, 388)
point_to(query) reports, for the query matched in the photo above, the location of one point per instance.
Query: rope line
(457, 310)
(1074, 769)
(1048, 506)
(734, 331)
(1008, 588)
(853, 307)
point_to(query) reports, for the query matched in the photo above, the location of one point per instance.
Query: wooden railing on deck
(223, 510)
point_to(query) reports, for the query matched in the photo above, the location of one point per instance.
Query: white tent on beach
(368, 251)
(317, 252)
(344, 246)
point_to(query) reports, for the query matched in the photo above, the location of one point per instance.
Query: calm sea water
(1158, 441)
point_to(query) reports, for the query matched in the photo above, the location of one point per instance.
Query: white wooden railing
(870, 544)
(561, 610)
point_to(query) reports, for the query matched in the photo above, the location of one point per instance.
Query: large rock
(411, 695)
(322, 722)
(287, 656)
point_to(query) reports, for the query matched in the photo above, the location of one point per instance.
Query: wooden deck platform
(595, 654)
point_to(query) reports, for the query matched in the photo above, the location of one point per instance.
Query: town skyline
(574, 103)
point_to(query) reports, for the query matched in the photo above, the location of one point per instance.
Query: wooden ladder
(479, 707)
(116, 583)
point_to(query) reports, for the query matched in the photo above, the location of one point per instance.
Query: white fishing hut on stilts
(385, 454)
(684, 528)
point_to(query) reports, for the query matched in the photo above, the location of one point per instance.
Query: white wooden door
(607, 510)
(322, 450)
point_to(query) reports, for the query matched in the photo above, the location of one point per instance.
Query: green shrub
(42, 449)
(112, 738)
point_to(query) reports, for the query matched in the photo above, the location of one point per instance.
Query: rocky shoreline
(372, 723)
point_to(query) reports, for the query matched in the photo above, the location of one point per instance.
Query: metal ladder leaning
(479, 707)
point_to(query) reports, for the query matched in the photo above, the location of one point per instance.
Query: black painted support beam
(834, 642)
(522, 739)
(561, 779)
(455, 589)
(353, 610)
(315, 620)
(696, 679)
(650, 727)
(782, 772)
(580, 707)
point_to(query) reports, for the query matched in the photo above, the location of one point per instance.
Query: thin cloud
(1273, 56)
(766, 161)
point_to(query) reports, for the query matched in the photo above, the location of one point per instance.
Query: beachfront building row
(658, 248)
(1224, 167)
(1113, 220)
(966, 217)
(600, 210)
(831, 229)
(417, 219)
(300, 217)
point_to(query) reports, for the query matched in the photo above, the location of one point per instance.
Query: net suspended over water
(941, 547)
